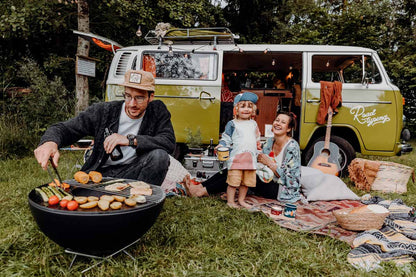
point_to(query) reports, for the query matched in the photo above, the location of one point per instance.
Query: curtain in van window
(149, 64)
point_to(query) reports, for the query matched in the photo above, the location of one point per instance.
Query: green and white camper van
(199, 70)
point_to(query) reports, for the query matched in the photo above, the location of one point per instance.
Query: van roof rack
(214, 35)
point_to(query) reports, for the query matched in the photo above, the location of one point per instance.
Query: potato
(81, 199)
(68, 197)
(115, 205)
(89, 205)
(119, 198)
(103, 204)
(130, 202)
(92, 198)
(109, 198)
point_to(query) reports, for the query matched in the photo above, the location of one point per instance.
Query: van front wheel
(346, 153)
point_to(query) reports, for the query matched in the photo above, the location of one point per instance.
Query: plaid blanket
(315, 217)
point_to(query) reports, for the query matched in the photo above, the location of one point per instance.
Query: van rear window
(181, 65)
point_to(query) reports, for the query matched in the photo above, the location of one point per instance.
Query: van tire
(346, 151)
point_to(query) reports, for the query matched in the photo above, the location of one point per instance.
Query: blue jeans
(150, 167)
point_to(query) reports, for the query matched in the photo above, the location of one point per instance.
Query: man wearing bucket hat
(242, 136)
(139, 126)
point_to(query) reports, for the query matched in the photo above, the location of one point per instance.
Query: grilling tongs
(56, 171)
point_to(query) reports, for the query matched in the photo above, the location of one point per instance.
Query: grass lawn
(192, 237)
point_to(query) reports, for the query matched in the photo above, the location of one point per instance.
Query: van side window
(181, 65)
(345, 68)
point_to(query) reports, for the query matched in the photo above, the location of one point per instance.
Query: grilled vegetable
(47, 191)
(119, 198)
(42, 194)
(65, 193)
(95, 176)
(89, 205)
(130, 202)
(81, 177)
(115, 205)
(92, 198)
(57, 192)
(53, 200)
(63, 203)
(68, 197)
(72, 205)
(81, 199)
(103, 204)
(108, 198)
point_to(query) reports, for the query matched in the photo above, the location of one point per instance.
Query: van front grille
(122, 63)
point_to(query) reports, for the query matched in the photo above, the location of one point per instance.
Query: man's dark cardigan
(156, 131)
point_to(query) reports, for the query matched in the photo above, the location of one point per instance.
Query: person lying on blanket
(278, 170)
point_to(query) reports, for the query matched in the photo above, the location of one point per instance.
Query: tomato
(72, 205)
(53, 200)
(63, 203)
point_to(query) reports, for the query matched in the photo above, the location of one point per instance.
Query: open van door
(105, 43)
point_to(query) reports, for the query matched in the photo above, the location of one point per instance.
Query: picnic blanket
(314, 217)
(395, 241)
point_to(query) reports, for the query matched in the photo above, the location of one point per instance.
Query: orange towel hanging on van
(104, 45)
(331, 95)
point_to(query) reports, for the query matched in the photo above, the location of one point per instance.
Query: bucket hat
(245, 96)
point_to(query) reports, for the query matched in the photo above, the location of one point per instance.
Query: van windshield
(181, 65)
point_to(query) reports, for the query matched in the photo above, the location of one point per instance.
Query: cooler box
(202, 167)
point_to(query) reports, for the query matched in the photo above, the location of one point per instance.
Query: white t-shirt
(126, 126)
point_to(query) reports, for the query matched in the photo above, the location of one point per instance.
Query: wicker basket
(392, 177)
(359, 221)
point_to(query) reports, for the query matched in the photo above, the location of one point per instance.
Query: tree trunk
(82, 94)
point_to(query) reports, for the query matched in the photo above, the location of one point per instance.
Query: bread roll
(81, 177)
(362, 209)
(95, 176)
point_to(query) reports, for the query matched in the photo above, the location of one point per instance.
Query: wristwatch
(131, 138)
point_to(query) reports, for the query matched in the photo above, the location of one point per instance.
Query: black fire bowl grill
(96, 232)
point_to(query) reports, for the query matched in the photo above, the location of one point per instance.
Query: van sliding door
(368, 102)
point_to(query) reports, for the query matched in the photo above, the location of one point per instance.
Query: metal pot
(96, 232)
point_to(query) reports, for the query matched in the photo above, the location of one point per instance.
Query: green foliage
(15, 140)
(193, 140)
(27, 117)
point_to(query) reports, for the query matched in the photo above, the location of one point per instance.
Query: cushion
(317, 185)
(175, 174)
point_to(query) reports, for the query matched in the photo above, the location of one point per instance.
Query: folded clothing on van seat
(331, 95)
